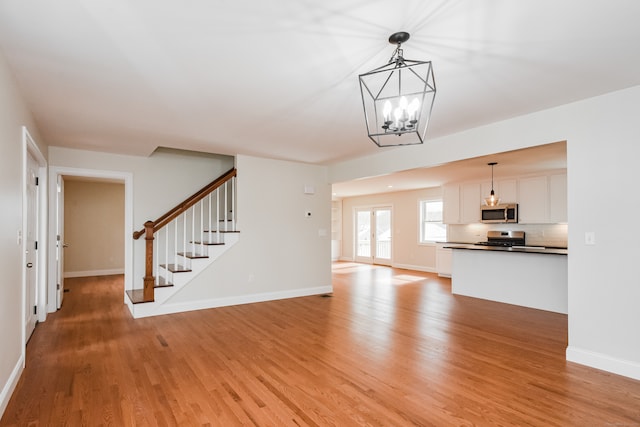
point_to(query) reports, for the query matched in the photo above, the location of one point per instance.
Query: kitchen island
(533, 277)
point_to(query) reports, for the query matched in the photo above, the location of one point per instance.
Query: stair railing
(180, 210)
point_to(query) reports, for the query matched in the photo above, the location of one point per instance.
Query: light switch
(590, 238)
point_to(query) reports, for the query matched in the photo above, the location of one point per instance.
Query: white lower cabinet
(443, 261)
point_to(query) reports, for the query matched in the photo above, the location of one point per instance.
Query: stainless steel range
(504, 238)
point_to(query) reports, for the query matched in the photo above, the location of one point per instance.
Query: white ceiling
(279, 79)
(529, 161)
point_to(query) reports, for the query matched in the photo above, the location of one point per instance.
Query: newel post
(149, 280)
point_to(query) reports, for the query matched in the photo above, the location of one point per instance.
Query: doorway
(374, 235)
(56, 226)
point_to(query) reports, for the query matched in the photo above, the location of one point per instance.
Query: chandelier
(398, 98)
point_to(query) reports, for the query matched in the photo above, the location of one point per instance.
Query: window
(431, 227)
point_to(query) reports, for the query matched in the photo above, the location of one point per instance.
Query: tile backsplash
(535, 234)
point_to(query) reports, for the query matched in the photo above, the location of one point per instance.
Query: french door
(373, 235)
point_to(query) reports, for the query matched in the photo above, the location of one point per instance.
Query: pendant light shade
(397, 98)
(492, 200)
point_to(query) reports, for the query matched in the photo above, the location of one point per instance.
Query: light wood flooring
(390, 347)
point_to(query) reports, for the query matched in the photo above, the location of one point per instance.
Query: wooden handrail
(186, 204)
(151, 227)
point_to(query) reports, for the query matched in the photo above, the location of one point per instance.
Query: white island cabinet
(536, 280)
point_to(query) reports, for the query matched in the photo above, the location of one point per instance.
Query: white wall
(93, 228)
(602, 152)
(159, 183)
(281, 252)
(13, 115)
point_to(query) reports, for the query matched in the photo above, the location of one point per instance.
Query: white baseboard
(89, 273)
(403, 266)
(10, 386)
(604, 362)
(415, 267)
(144, 310)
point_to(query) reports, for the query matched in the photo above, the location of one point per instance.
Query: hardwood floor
(390, 348)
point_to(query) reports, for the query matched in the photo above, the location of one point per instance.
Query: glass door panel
(363, 231)
(373, 235)
(382, 254)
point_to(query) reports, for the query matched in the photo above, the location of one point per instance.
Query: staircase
(183, 242)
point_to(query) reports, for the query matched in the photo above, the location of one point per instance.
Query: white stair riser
(180, 280)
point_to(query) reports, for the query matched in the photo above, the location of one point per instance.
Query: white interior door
(31, 245)
(60, 245)
(373, 235)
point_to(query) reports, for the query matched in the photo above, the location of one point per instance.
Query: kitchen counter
(521, 249)
(520, 275)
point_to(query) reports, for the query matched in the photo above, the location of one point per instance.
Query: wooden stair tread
(137, 296)
(163, 283)
(176, 268)
(208, 243)
(193, 255)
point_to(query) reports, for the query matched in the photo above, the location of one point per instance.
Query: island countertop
(518, 249)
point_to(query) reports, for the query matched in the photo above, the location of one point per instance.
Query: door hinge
(35, 309)
(58, 286)
(36, 245)
(37, 180)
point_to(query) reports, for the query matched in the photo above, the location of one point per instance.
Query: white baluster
(184, 234)
(193, 227)
(175, 243)
(226, 198)
(166, 253)
(233, 204)
(218, 215)
(210, 215)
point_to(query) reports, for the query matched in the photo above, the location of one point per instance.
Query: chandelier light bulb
(403, 103)
(413, 109)
(386, 112)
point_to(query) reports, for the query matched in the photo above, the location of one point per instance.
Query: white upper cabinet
(558, 198)
(505, 189)
(508, 190)
(541, 199)
(471, 202)
(533, 205)
(451, 204)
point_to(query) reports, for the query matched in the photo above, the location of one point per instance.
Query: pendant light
(492, 200)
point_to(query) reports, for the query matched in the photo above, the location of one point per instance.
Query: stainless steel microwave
(499, 213)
